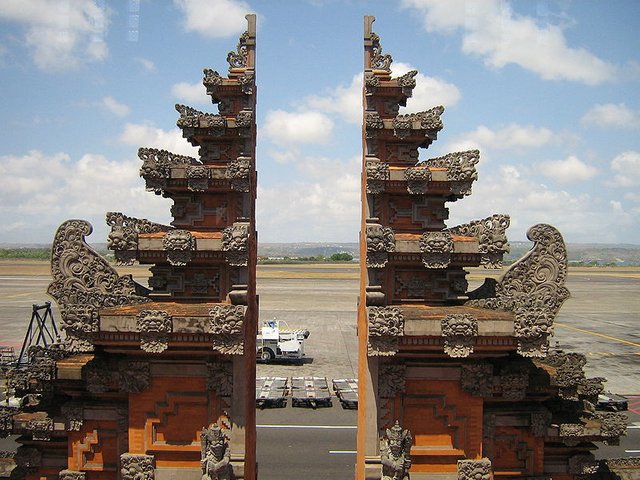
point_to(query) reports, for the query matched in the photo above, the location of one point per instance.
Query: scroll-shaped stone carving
(611, 427)
(566, 371)
(533, 288)
(436, 248)
(41, 429)
(459, 332)
(74, 416)
(71, 475)
(380, 242)
(379, 61)
(155, 327)
(239, 58)
(395, 454)
(461, 170)
(179, 245)
(244, 119)
(591, 387)
(477, 379)
(220, 378)
(418, 179)
(238, 171)
(235, 244)
(134, 376)
(474, 469)
(123, 238)
(137, 467)
(211, 77)
(192, 118)
(82, 278)
(377, 175)
(391, 380)
(408, 82)
(226, 322)
(197, 178)
(157, 164)
(215, 454)
(491, 236)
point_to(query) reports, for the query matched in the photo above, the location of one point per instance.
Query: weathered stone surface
(137, 467)
(395, 453)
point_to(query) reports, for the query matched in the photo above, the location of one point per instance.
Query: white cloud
(214, 18)
(627, 168)
(146, 64)
(115, 107)
(611, 115)
(191, 93)
(61, 35)
(284, 127)
(66, 188)
(428, 92)
(346, 101)
(323, 204)
(509, 137)
(492, 31)
(570, 170)
(145, 135)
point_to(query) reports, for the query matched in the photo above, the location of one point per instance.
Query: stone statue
(216, 456)
(394, 453)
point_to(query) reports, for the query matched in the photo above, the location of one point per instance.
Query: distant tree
(341, 257)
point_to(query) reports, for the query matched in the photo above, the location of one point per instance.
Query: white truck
(277, 341)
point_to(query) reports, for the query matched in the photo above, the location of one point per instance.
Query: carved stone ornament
(197, 178)
(155, 327)
(211, 77)
(28, 458)
(215, 454)
(220, 378)
(514, 383)
(385, 321)
(137, 467)
(391, 380)
(235, 244)
(533, 288)
(83, 279)
(123, 238)
(74, 416)
(566, 371)
(477, 379)
(6, 420)
(377, 175)
(371, 82)
(41, 429)
(382, 346)
(490, 232)
(379, 61)
(612, 424)
(226, 322)
(71, 475)
(591, 387)
(395, 450)
(157, 164)
(418, 179)
(459, 332)
(134, 376)
(238, 171)
(380, 242)
(192, 118)
(238, 59)
(460, 165)
(475, 469)
(436, 248)
(179, 245)
(373, 123)
(244, 119)
(540, 422)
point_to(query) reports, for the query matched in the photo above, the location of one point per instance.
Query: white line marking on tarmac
(633, 426)
(324, 427)
(347, 452)
(632, 451)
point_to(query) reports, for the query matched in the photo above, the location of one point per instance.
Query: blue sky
(547, 90)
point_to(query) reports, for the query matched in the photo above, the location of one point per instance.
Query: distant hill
(579, 253)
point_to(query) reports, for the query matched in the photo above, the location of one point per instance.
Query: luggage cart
(346, 390)
(271, 392)
(310, 392)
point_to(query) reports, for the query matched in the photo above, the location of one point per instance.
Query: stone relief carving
(74, 416)
(41, 429)
(380, 242)
(192, 118)
(491, 236)
(179, 245)
(382, 346)
(379, 61)
(408, 82)
(418, 179)
(226, 322)
(239, 58)
(71, 475)
(436, 248)
(459, 332)
(220, 378)
(244, 119)
(215, 454)
(377, 175)
(235, 244)
(477, 379)
(391, 380)
(137, 467)
(474, 469)
(373, 123)
(197, 178)
(395, 455)
(155, 327)
(540, 422)
(238, 172)
(533, 288)
(6, 420)
(385, 321)
(134, 376)
(514, 383)
(461, 166)
(157, 164)
(566, 371)
(123, 238)
(82, 279)
(211, 77)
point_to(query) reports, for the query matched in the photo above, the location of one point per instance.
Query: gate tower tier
(158, 382)
(456, 383)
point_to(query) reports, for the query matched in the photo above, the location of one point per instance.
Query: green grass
(30, 253)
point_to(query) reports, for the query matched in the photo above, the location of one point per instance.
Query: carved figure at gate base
(216, 455)
(395, 453)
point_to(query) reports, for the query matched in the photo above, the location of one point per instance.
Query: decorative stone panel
(492, 238)
(391, 380)
(134, 376)
(235, 244)
(226, 322)
(459, 332)
(197, 178)
(477, 379)
(179, 245)
(71, 475)
(220, 378)
(238, 172)
(377, 175)
(155, 327)
(436, 248)
(475, 469)
(418, 179)
(41, 429)
(380, 242)
(137, 467)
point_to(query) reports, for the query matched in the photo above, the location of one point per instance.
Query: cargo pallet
(271, 392)
(310, 392)
(346, 390)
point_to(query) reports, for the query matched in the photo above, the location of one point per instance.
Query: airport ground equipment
(346, 389)
(277, 341)
(271, 392)
(42, 331)
(310, 392)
